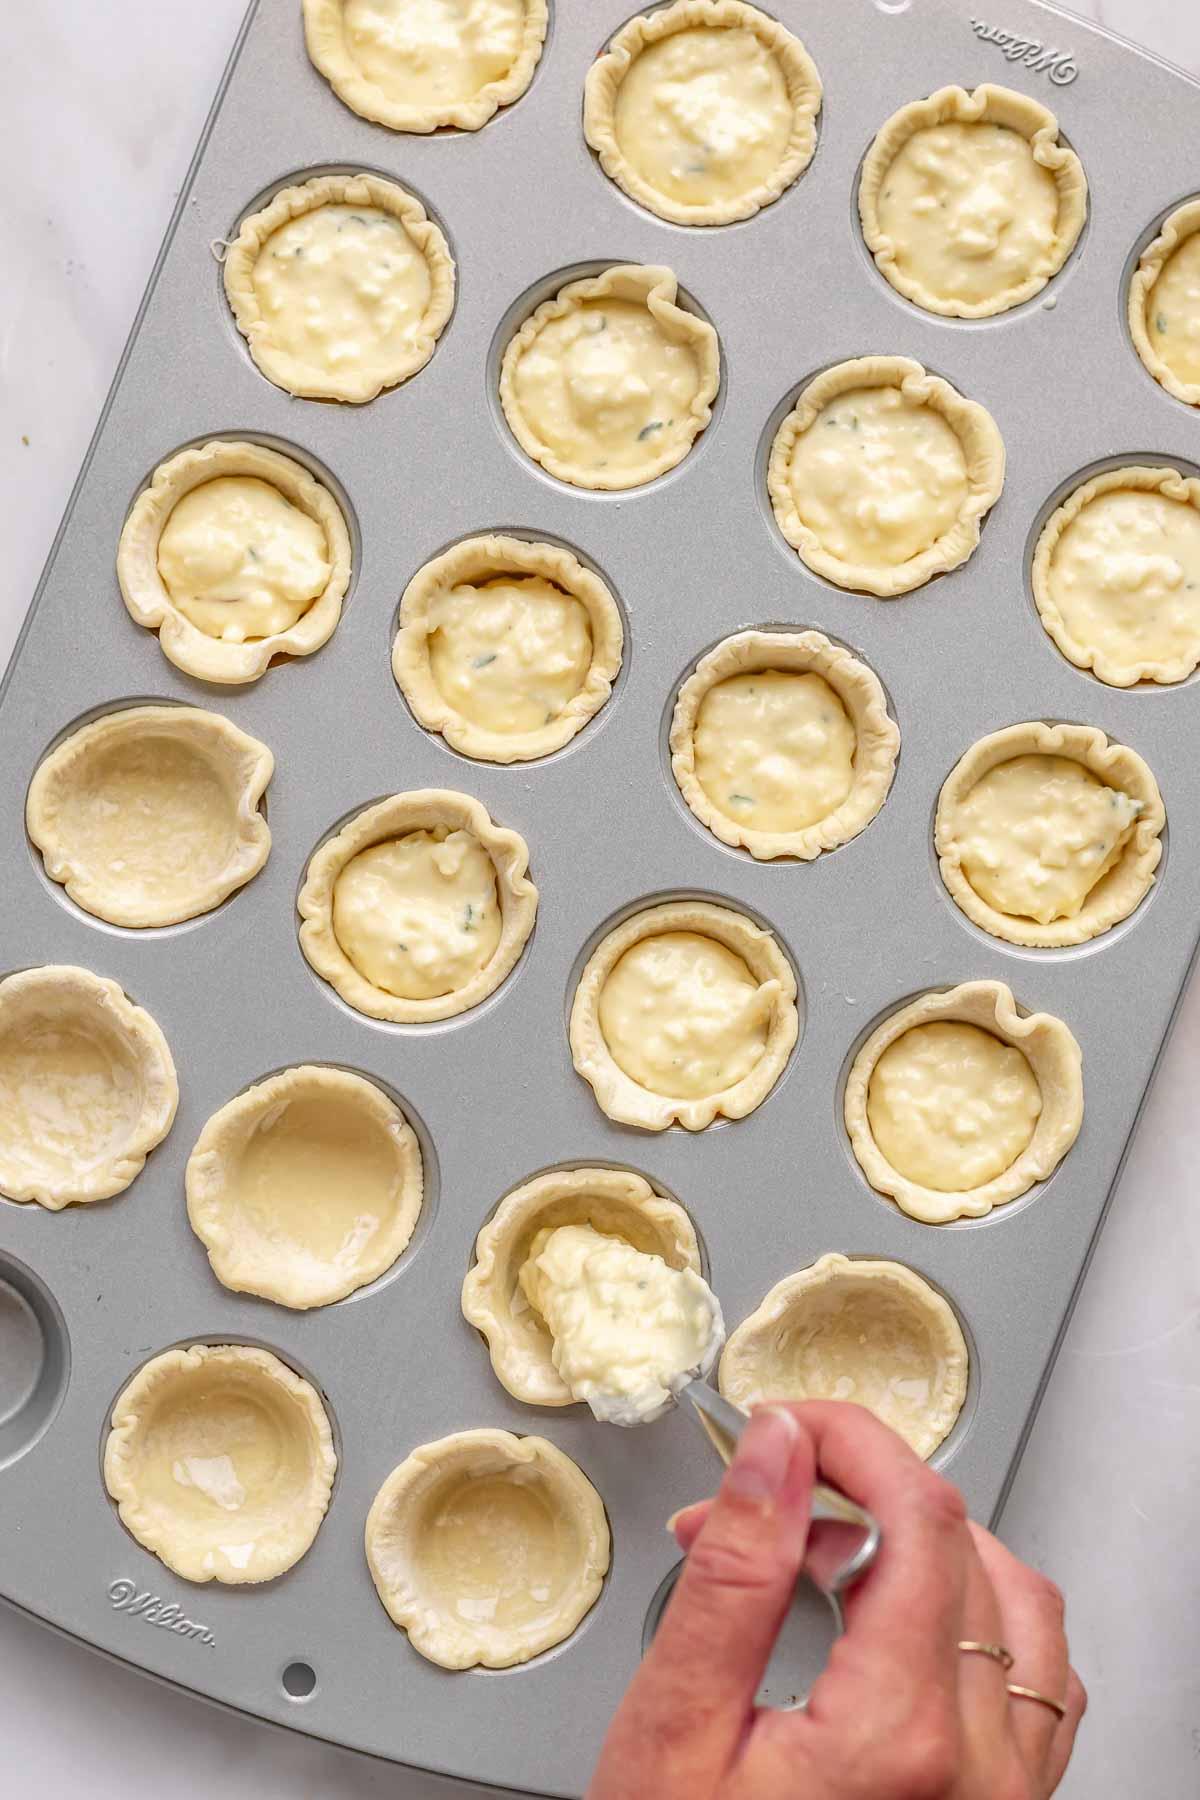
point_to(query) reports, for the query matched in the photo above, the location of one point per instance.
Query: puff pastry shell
(87, 1087)
(487, 1548)
(1052, 1054)
(876, 738)
(776, 86)
(148, 598)
(1125, 881)
(430, 810)
(474, 564)
(150, 815)
(902, 517)
(221, 1462)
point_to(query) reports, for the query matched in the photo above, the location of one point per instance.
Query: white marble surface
(100, 106)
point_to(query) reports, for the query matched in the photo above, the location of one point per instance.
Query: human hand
(901, 1712)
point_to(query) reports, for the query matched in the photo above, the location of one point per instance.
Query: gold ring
(1024, 1693)
(997, 1652)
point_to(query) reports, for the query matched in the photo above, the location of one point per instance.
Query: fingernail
(764, 1453)
(674, 1519)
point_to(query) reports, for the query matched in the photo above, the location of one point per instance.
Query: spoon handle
(724, 1423)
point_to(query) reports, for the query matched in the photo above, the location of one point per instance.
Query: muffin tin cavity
(35, 1359)
(1163, 305)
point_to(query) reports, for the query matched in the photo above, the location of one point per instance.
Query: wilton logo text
(125, 1596)
(1059, 65)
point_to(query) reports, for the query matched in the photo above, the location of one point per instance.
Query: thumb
(724, 1617)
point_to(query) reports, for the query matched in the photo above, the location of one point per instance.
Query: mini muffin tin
(87, 1295)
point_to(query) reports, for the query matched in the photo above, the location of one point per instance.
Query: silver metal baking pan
(91, 1292)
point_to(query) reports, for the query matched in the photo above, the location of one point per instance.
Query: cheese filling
(433, 53)
(1125, 576)
(1036, 834)
(628, 1329)
(683, 1016)
(419, 915)
(877, 477)
(951, 1106)
(509, 654)
(343, 287)
(969, 212)
(704, 115)
(1173, 312)
(604, 387)
(240, 561)
(774, 749)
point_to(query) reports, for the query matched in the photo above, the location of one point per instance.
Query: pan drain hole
(299, 1681)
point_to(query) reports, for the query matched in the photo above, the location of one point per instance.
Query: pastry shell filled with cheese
(982, 831)
(305, 1187)
(986, 247)
(87, 1087)
(507, 646)
(275, 287)
(462, 882)
(1008, 1098)
(608, 384)
(854, 1329)
(395, 78)
(221, 1461)
(837, 683)
(487, 1548)
(150, 815)
(888, 525)
(693, 996)
(615, 1202)
(1164, 304)
(1116, 575)
(305, 583)
(713, 69)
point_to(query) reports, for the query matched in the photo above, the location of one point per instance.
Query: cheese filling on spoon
(629, 1331)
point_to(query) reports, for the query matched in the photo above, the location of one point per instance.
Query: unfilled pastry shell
(1050, 1049)
(223, 1398)
(877, 737)
(60, 812)
(1126, 884)
(481, 559)
(413, 1592)
(144, 591)
(80, 1143)
(253, 1246)
(753, 1366)
(615, 1202)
